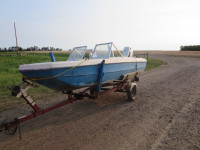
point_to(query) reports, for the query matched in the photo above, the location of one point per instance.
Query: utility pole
(16, 37)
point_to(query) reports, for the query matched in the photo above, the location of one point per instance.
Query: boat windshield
(103, 51)
(77, 53)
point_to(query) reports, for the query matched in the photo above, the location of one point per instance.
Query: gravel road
(166, 115)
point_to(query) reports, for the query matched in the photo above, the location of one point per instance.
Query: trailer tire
(131, 93)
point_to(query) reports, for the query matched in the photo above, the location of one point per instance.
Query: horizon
(142, 25)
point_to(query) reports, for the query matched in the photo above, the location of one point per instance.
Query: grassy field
(10, 76)
(153, 63)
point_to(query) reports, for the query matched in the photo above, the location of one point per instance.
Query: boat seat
(127, 52)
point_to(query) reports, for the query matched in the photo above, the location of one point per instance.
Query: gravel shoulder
(166, 115)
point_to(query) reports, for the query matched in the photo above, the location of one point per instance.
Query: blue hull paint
(82, 76)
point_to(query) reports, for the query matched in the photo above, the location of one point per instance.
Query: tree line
(33, 48)
(190, 48)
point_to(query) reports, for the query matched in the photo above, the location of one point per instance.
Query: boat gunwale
(62, 64)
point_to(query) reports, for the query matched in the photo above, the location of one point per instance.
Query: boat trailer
(125, 84)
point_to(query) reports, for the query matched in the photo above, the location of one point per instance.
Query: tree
(190, 48)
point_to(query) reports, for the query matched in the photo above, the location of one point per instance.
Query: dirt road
(166, 115)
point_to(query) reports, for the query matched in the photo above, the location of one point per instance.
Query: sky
(140, 24)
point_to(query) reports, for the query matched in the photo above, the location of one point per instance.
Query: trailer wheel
(132, 93)
(10, 130)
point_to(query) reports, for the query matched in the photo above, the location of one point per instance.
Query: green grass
(9, 75)
(153, 63)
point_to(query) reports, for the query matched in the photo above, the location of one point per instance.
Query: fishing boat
(106, 71)
(78, 71)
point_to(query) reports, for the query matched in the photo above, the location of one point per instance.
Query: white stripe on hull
(66, 64)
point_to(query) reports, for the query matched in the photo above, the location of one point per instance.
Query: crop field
(172, 53)
(9, 76)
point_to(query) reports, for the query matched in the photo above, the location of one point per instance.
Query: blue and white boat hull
(64, 76)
